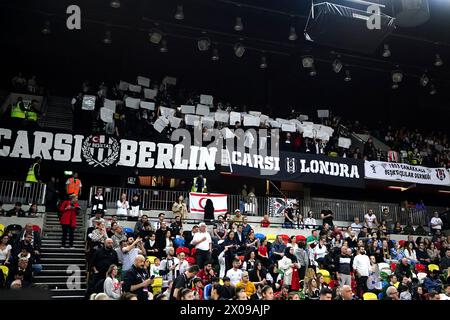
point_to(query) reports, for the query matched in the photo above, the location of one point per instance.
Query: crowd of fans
(228, 260)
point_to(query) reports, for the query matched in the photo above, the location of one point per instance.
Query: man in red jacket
(68, 219)
(206, 274)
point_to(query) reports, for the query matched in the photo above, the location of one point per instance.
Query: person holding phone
(131, 251)
(137, 280)
(68, 219)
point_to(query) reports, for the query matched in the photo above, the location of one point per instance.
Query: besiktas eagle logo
(440, 174)
(99, 150)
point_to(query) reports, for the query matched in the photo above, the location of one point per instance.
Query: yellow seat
(2, 229)
(326, 275)
(151, 259)
(271, 237)
(370, 296)
(5, 270)
(432, 267)
(157, 285)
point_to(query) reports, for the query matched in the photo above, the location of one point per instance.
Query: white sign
(208, 122)
(150, 93)
(344, 142)
(202, 110)
(255, 113)
(167, 112)
(88, 103)
(251, 121)
(192, 120)
(143, 81)
(160, 124)
(148, 105)
(206, 99)
(288, 127)
(197, 202)
(221, 116)
(123, 85)
(170, 80)
(323, 113)
(392, 171)
(132, 103)
(134, 88)
(175, 122)
(234, 117)
(227, 133)
(106, 115)
(187, 109)
(110, 104)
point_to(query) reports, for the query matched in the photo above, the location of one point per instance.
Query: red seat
(190, 260)
(420, 268)
(242, 258)
(182, 249)
(300, 238)
(393, 266)
(402, 243)
(285, 238)
(193, 251)
(36, 228)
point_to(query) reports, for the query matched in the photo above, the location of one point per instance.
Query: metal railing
(21, 191)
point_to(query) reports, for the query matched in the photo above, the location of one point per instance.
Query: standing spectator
(289, 266)
(278, 247)
(183, 282)
(131, 251)
(327, 217)
(98, 202)
(361, 267)
(235, 273)
(122, 205)
(118, 236)
(136, 206)
(265, 222)
(435, 223)
(68, 219)
(179, 208)
(176, 226)
(220, 230)
(289, 218)
(209, 211)
(158, 224)
(51, 196)
(203, 245)
(386, 216)
(102, 259)
(344, 266)
(112, 287)
(369, 151)
(139, 226)
(370, 219)
(168, 266)
(73, 185)
(137, 280)
(19, 82)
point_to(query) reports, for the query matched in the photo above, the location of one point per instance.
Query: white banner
(143, 81)
(392, 171)
(197, 202)
(88, 103)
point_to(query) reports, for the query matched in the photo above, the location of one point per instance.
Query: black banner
(300, 167)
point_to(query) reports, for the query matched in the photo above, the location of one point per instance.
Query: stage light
(386, 51)
(46, 29)
(155, 36)
(308, 61)
(438, 62)
(337, 65)
(179, 15)
(108, 38)
(348, 76)
(215, 54)
(238, 26)
(263, 64)
(163, 48)
(203, 44)
(115, 4)
(239, 50)
(292, 34)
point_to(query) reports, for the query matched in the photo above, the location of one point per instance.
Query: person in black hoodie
(209, 211)
(161, 237)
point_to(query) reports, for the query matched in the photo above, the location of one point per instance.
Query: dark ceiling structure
(63, 58)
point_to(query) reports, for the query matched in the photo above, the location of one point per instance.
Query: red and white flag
(197, 202)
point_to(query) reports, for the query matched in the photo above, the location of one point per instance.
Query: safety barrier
(20, 191)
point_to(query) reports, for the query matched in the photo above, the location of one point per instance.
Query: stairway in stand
(63, 269)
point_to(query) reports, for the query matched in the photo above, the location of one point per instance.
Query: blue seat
(260, 236)
(380, 296)
(128, 230)
(178, 242)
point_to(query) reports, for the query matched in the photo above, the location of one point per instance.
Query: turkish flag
(197, 202)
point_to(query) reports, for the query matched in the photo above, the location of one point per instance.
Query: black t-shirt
(180, 283)
(103, 258)
(290, 214)
(328, 220)
(135, 276)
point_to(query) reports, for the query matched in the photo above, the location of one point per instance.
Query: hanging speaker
(411, 13)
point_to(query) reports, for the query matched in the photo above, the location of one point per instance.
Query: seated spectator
(422, 255)
(410, 252)
(206, 274)
(432, 282)
(398, 228)
(176, 226)
(5, 250)
(310, 222)
(228, 290)
(2, 211)
(240, 294)
(403, 269)
(112, 287)
(265, 222)
(146, 231)
(20, 271)
(312, 291)
(33, 210)
(235, 273)
(197, 289)
(96, 219)
(98, 235)
(16, 211)
(151, 246)
(245, 283)
(139, 226)
(277, 251)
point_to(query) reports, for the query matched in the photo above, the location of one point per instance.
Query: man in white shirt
(361, 266)
(436, 222)
(235, 273)
(370, 220)
(356, 226)
(130, 251)
(203, 244)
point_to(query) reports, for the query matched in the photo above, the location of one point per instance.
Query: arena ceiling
(64, 58)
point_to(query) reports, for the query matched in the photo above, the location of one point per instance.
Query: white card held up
(274, 124)
(150, 93)
(251, 121)
(192, 120)
(187, 109)
(110, 104)
(344, 142)
(167, 112)
(148, 105)
(88, 103)
(134, 88)
(227, 133)
(170, 80)
(288, 127)
(159, 125)
(323, 113)
(303, 117)
(206, 99)
(255, 113)
(202, 110)
(106, 115)
(263, 118)
(221, 116)
(143, 81)
(234, 117)
(132, 103)
(208, 122)
(308, 132)
(123, 85)
(175, 122)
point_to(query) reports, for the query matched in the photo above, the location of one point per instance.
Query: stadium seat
(420, 268)
(370, 296)
(151, 259)
(193, 252)
(385, 273)
(2, 229)
(326, 275)
(15, 228)
(300, 238)
(5, 270)
(380, 296)
(190, 260)
(178, 242)
(285, 238)
(383, 265)
(260, 236)
(242, 258)
(37, 228)
(182, 249)
(432, 267)
(271, 237)
(128, 230)
(393, 267)
(402, 243)
(157, 285)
